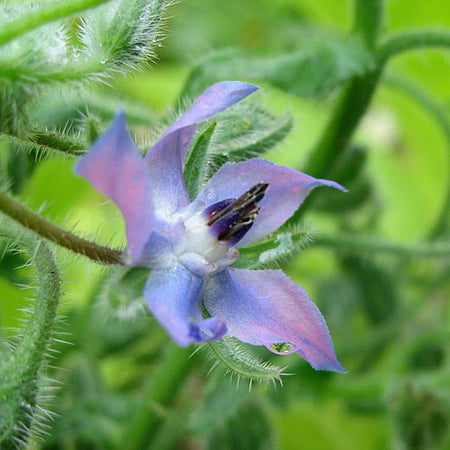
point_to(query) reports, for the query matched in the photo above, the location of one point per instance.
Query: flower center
(211, 234)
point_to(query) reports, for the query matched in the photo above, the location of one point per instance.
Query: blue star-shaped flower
(191, 246)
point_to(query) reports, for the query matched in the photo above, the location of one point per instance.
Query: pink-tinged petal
(173, 296)
(165, 159)
(286, 191)
(264, 307)
(114, 167)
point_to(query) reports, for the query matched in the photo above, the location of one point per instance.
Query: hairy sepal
(240, 363)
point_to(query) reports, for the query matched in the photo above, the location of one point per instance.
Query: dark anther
(232, 218)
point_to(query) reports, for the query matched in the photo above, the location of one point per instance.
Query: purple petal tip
(237, 85)
(333, 184)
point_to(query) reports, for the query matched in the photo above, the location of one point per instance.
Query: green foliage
(319, 66)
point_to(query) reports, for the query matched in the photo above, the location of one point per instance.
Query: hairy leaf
(322, 62)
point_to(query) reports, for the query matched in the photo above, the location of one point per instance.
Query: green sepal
(241, 363)
(121, 295)
(195, 166)
(277, 247)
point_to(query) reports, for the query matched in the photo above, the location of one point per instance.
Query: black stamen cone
(232, 218)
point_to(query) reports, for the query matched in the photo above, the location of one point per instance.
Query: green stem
(351, 106)
(167, 379)
(346, 116)
(46, 229)
(368, 16)
(412, 40)
(47, 13)
(363, 244)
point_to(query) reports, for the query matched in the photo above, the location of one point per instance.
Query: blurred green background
(387, 310)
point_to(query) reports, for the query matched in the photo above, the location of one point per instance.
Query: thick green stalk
(46, 229)
(34, 18)
(346, 116)
(21, 373)
(368, 20)
(167, 379)
(412, 40)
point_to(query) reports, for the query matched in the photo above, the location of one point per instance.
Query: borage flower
(191, 246)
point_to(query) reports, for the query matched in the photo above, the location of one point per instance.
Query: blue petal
(115, 168)
(286, 191)
(173, 296)
(165, 159)
(264, 307)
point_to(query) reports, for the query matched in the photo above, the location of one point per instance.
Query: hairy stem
(40, 16)
(412, 40)
(46, 229)
(21, 374)
(166, 381)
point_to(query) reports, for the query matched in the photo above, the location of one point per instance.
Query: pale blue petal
(114, 167)
(173, 296)
(165, 159)
(286, 191)
(264, 307)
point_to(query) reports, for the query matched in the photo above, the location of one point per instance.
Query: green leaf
(274, 249)
(243, 132)
(321, 64)
(248, 131)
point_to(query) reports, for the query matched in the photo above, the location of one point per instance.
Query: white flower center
(200, 250)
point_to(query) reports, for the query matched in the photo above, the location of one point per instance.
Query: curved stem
(36, 17)
(412, 40)
(364, 244)
(46, 229)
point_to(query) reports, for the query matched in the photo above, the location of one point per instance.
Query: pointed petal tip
(333, 184)
(331, 366)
